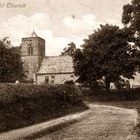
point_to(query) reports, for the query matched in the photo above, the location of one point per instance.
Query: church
(45, 69)
(49, 69)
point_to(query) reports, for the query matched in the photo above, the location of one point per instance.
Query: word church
(45, 69)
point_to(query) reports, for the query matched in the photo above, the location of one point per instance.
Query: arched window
(30, 49)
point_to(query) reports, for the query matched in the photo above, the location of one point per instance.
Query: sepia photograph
(70, 70)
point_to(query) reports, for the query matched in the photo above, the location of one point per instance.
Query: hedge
(10, 93)
(24, 104)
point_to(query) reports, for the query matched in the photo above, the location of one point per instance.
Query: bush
(10, 93)
(24, 104)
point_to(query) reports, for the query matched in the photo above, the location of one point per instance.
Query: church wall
(54, 78)
(32, 61)
(31, 65)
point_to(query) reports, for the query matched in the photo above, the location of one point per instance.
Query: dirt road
(102, 123)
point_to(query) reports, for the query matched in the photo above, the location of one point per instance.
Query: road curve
(101, 123)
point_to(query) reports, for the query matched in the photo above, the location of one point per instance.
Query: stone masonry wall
(55, 78)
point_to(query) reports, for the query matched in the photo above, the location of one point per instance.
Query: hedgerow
(10, 93)
(24, 104)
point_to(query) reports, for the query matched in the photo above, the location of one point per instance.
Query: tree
(131, 19)
(69, 50)
(11, 65)
(106, 55)
(131, 15)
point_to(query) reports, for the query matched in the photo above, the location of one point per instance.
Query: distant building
(45, 69)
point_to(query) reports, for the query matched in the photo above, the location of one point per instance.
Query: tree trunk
(107, 84)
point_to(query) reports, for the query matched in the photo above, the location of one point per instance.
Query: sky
(59, 22)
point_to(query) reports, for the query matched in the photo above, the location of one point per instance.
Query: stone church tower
(33, 51)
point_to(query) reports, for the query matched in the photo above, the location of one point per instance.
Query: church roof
(56, 64)
(33, 34)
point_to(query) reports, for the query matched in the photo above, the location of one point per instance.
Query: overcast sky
(59, 22)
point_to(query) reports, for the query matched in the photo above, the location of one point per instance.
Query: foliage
(11, 66)
(131, 19)
(10, 93)
(131, 15)
(69, 50)
(25, 104)
(106, 55)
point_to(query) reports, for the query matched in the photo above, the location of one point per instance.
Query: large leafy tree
(131, 15)
(11, 66)
(69, 50)
(131, 19)
(106, 55)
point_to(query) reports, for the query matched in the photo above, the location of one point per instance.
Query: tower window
(30, 49)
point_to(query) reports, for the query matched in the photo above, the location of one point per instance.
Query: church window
(72, 76)
(52, 79)
(46, 79)
(52, 76)
(30, 49)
